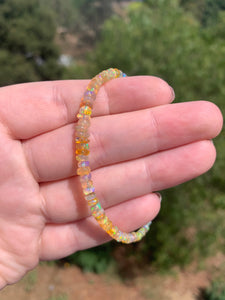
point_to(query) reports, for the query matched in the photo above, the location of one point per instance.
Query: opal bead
(81, 157)
(90, 197)
(83, 171)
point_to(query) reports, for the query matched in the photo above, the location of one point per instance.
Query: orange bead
(83, 171)
(82, 140)
(92, 202)
(81, 157)
(113, 231)
(107, 226)
(82, 149)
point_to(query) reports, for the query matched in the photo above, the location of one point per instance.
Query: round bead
(83, 171)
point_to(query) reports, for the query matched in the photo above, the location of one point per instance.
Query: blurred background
(183, 42)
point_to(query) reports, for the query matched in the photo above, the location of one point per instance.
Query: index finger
(31, 109)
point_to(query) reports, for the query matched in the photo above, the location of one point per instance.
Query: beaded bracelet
(82, 152)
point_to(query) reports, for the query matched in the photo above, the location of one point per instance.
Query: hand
(140, 143)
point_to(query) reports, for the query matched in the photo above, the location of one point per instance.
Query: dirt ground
(70, 283)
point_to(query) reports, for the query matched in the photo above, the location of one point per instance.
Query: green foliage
(215, 292)
(27, 51)
(96, 260)
(83, 17)
(92, 14)
(168, 43)
(66, 12)
(30, 281)
(205, 10)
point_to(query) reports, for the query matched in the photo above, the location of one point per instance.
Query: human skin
(140, 143)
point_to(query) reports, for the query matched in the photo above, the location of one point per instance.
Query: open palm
(140, 143)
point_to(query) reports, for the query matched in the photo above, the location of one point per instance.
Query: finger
(33, 108)
(58, 241)
(63, 200)
(123, 137)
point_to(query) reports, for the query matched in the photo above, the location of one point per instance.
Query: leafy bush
(215, 292)
(96, 260)
(27, 50)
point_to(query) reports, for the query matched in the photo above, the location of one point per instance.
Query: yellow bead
(81, 157)
(107, 226)
(82, 133)
(103, 221)
(82, 146)
(92, 202)
(83, 171)
(104, 76)
(87, 183)
(100, 216)
(84, 110)
(118, 72)
(82, 140)
(91, 197)
(85, 123)
(113, 231)
(82, 151)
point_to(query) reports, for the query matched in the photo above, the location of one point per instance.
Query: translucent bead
(111, 73)
(99, 78)
(85, 178)
(82, 157)
(108, 226)
(131, 237)
(92, 202)
(82, 127)
(84, 110)
(83, 171)
(90, 93)
(81, 140)
(113, 231)
(98, 214)
(94, 85)
(90, 196)
(125, 238)
(118, 73)
(119, 236)
(86, 117)
(138, 236)
(103, 221)
(88, 190)
(90, 88)
(96, 208)
(104, 76)
(83, 122)
(82, 146)
(82, 133)
(83, 164)
(82, 149)
(86, 184)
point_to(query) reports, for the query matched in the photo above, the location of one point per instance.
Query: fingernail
(172, 93)
(159, 195)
